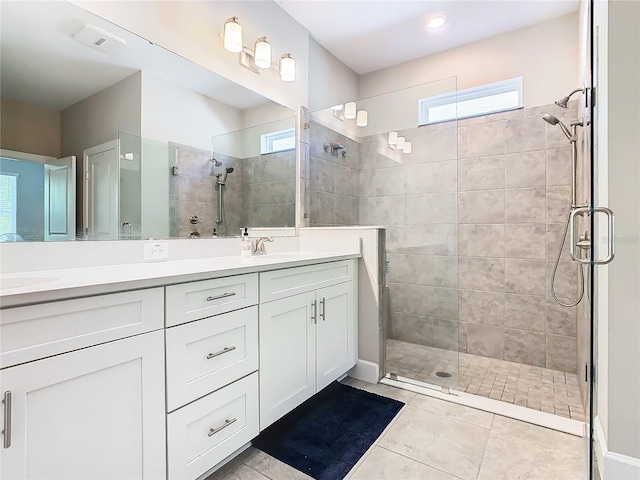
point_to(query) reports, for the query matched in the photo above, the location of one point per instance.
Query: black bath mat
(326, 435)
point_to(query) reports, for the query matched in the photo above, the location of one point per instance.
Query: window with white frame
(8, 203)
(278, 141)
(471, 102)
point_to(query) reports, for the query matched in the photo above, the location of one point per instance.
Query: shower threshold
(524, 414)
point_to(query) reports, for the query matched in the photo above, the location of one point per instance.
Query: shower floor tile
(537, 388)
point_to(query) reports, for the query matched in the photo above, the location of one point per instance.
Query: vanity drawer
(205, 432)
(206, 355)
(283, 283)
(38, 331)
(192, 301)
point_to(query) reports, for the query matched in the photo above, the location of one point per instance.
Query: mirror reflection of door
(101, 185)
(60, 199)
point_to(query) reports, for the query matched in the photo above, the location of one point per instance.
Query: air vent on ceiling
(99, 39)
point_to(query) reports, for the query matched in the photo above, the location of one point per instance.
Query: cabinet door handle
(224, 350)
(213, 431)
(323, 304)
(218, 297)
(7, 419)
(314, 317)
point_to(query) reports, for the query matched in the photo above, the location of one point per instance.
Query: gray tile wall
(269, 192)
(332, 179)
(514, 197)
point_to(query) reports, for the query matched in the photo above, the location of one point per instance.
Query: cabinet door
(336, 332)
(93, 413)
(287, 355)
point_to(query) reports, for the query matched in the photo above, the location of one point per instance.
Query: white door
(101, 191)
(335, 335)
(94, 413)
(287, 355)
(60, 199)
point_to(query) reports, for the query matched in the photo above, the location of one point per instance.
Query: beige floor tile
(533, 433)
(382, 464)
(513, 458)
(243, 472)
(445, 443)
(274, 468)
(459, 412)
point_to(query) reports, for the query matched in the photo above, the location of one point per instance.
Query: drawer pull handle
(224, 350)
(213, 431)
(314, 316)
(7, 419)
(218, 297)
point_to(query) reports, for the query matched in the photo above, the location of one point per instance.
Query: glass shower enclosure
(396, 166)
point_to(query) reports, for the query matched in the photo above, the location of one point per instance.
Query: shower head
(217, 163)
(551, 120)
(222, 177)
(564, 101)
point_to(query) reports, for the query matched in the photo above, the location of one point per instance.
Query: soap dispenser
(245, 244)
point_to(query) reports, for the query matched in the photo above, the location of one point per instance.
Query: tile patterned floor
(537, 388)
(433, 439)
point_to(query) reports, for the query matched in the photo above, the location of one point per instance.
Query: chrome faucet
(257, 246)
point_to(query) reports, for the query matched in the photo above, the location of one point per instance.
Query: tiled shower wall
(333, 179)
(269, 192)
(474, 219)
(259, 192)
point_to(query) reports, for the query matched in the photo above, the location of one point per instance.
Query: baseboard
(612, 465)
(365, 371)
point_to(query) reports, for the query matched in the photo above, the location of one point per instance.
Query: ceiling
(369, 35)
(42, 64)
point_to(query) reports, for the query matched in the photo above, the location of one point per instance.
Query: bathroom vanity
(166, 370)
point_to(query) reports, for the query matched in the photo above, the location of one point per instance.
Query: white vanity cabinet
(96, 411)
(307, 333)
(212, 379)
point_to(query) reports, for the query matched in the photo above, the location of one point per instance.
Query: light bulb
(350, 110)
(287, 68)
(436, 22)
(361, 119)
(393, 138)
(262, 53)
(407, 147)
(400, 143)
(337, 108)
(232, 37)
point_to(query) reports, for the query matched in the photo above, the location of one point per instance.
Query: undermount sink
(20, 282)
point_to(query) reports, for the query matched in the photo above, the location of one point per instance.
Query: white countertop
(50, 285)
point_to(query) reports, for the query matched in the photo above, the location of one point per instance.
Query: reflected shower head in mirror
(551, 120)
(564, 101)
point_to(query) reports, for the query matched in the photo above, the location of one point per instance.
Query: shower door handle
(574, 234)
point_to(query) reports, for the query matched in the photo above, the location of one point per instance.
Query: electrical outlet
(156, 252)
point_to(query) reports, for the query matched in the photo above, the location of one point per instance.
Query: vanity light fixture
(400, 143)
(262, 53)
(337, 108)
(407, 147)
(258, 58)
(232, 36)
(287, 68)
(393, 138)
(350, 110)
(362, 118)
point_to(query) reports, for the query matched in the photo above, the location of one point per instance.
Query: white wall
(618, 106)
(330, 81)
(191, 29)
(172, 113)
(30, 129)
(545, 55)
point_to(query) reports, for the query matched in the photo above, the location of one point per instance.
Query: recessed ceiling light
(437, 21)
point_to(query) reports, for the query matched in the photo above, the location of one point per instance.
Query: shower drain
(443, 374)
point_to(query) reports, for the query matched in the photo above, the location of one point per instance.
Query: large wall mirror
(104, 135)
